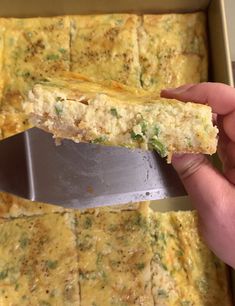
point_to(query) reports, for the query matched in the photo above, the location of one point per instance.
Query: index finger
(219, 96)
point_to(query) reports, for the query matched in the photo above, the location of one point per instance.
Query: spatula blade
(82, 175)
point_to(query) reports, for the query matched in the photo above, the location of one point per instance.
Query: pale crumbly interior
(120, 118)
(123, 256)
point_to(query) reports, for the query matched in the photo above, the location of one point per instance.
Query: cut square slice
(114, 255)
(32, 48)
(38, 261)
(105, 47)
(185, 271)
(163, 37)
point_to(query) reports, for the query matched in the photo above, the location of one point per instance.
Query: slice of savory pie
(75, 108)
(38, 261)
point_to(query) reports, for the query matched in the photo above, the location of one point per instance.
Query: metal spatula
(82, 175)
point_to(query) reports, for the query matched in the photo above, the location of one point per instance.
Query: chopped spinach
(180, 253)
(114, 112)
(44, 303)
(101, 139)
(136, 137)
(87, 223)
(58, 109)
(164, 266)
(162, 293)
(156, 130)
(62, 50)
(53, 57)
(144, 127)
(140, 266)
(158, 146)
(3, 274)
(24, 242)
(99, 258)
(51, 264)
(59, 99)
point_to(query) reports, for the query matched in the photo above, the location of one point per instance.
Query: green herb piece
(114, 112)
(44, 303)
(17, 286)
(84, 245)
(99, 258)
(189, 142)
(24, 297)
(3, 274)
(162, 237)
(162, 293)
(101, 139)
(59, 99)
(112, 227)
(26, 74)
(164, 266)
(158, 146)
(144, 127)
(180, 253)
(186, 303)
(136, 221)
(52, 264)
(58, 109)
(103, 275)
(87, 275)
(24, 242)
(119, 21)
(87, 223)
(202, 285)
(62, 50)
(53, 57)
(140, 266)
(115, 263)
(136, 137)
(43, 80)
(156, 130)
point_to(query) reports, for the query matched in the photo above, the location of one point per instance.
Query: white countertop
(230, 15)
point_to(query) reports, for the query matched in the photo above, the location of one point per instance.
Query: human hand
(212, 193)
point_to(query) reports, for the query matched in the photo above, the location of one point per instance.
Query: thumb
(203, 183)
(212, 196)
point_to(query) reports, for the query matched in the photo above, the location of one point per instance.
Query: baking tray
(143, 189)
(220, 62)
